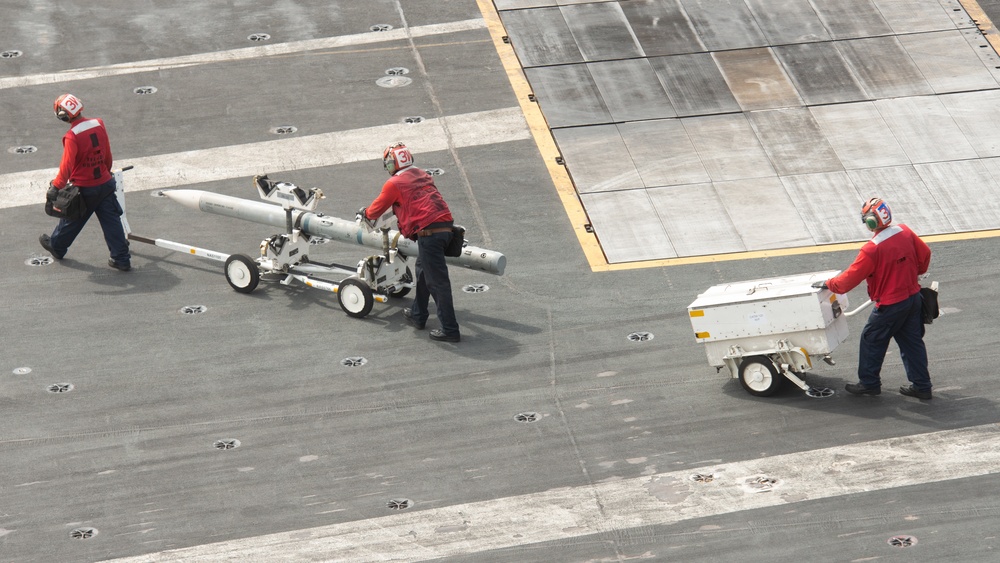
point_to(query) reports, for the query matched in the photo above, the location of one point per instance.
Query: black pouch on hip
(454, 248)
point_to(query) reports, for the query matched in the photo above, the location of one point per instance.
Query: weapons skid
(284, 256)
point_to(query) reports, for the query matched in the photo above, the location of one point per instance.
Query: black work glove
(820, 285)
(52, 192)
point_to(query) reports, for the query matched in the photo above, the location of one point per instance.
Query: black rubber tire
(242, 273)
(355, 297)
(759, 376)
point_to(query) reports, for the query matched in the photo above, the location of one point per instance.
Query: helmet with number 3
(67, 107)
(875, 214)
(396, 157)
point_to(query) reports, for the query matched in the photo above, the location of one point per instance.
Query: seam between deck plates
(570, 198)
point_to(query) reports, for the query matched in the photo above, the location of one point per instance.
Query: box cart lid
(766, 288)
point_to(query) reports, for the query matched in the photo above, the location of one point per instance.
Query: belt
(429, 232)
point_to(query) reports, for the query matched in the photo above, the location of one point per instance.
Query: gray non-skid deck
(578, 419)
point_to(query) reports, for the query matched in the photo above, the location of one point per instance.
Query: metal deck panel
(859, 135)
(851, 19)
(541, 36)
(601, 31)
(794, 142)
(788, 21)
(764, 216)
(663, 153)
(756, 79)
(925, 129)
(948, 62)
(662, 27)
(820, 74)
(597, 159)
(694, 84)
(519, 4)
(728, 147)
(828, 202)
(913, 201)
(977, 115)
(631, 90)
(909, 16)
(724, 24)
(701, 225)
(967, 192)
(628, 226)
(568, 95)
(884, 68)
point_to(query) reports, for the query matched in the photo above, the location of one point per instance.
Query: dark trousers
(433, 281)
(100, 201)
(900, 321)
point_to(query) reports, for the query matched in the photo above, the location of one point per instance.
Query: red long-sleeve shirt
(86, 159)
(414, 199)
(890, 262)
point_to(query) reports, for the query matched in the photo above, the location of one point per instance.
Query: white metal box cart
(769, 330)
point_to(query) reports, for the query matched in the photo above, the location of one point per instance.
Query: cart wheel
(356, 298)
(759, 376)
(408, 278)
(242, 273)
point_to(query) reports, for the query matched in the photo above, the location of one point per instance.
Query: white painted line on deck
(153, 65)
(296, 153)
(660, 499)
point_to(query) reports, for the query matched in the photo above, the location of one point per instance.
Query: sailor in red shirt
(890, 263)
(422, 216)
(86, 163)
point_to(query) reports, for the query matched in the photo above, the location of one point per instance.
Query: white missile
(324, 226)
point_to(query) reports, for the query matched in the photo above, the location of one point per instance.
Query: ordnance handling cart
(768, 330)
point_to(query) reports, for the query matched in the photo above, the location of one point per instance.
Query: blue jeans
(900, 321)
(100, 201)
(433, 281)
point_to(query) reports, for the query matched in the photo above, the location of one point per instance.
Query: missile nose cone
(187, 198)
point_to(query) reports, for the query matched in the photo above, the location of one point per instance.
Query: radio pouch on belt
(929, 310)
(454, 248)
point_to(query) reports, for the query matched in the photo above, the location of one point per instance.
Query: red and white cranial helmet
(67, 107)
(875, 214)
(396, 157)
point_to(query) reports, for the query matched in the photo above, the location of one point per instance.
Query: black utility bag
(454, 248)
(66, 203)
(929, 310)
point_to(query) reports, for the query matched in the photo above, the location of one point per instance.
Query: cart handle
(859, 309)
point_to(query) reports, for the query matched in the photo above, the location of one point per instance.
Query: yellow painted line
(543, 138)
(983, 22)
(686, 260)
(574, 207)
